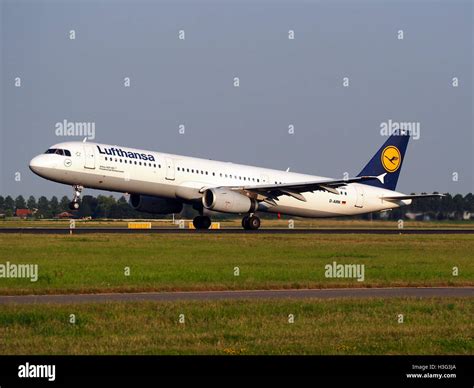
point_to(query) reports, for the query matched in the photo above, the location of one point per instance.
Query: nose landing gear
(251, 222)
(74, 205)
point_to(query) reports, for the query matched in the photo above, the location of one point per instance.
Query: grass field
(97, 263)
(433, 326)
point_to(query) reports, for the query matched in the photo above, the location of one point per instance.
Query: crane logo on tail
(391, 158)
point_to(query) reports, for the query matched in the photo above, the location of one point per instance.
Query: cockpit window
(58, 151)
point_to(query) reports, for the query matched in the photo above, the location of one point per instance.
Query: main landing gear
(202, 222)
(251, 222)
(74, 205)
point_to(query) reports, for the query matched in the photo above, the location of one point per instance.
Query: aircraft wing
(413, 196)
(270, 192)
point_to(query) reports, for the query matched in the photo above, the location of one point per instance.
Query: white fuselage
(127, 170)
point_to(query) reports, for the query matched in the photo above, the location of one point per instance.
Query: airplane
(161, 183)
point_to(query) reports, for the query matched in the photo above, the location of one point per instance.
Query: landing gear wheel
(254, 223)
(202, 222)
(251, 222)
(74, 205)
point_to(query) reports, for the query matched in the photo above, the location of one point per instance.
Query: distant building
(23, 213)
(64, 215)
(414, 216)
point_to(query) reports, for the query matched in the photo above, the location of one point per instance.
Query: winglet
(381, 177)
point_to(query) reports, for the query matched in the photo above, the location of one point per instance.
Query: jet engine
(228, 201)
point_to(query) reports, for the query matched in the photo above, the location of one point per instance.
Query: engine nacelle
(228, 201)
(155, 205)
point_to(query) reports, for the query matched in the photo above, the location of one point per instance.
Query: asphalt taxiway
(333, 293)
(232, 231)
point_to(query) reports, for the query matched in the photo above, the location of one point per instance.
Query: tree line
(102, 206)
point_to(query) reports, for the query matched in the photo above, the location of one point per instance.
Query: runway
(231, 231)
(333, 293)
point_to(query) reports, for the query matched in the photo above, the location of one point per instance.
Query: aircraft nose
(35, 164)
(39, 163)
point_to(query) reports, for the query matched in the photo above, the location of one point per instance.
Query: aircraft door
(89, 156)
(359, 196)
(169, 169)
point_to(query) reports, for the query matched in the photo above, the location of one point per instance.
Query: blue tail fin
(388, 159)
